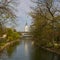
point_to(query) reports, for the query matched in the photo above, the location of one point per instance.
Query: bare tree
(7, 11)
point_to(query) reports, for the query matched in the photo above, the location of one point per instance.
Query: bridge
(26, 34)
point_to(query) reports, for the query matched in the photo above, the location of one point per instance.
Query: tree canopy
(46, 23)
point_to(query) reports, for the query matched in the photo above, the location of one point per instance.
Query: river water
(25, 50)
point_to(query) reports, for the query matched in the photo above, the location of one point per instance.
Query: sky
(23, 10)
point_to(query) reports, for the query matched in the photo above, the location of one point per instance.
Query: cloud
(22, 13)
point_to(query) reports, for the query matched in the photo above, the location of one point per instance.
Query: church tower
(26, 27)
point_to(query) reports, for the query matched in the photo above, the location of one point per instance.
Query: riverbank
(52, 50)
(7, 44)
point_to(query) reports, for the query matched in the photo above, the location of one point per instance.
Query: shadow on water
(25, 50)
(41, 54)
(10, 49)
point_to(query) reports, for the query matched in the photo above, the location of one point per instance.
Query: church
(26, 31)
(26, 27)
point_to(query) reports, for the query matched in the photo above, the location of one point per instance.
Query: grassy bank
(3, 46)
(9, 36)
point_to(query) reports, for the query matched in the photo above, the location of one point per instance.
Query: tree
(6, 11)
(45, 21)
(12, 35)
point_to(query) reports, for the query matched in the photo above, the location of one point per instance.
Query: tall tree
(45, 21)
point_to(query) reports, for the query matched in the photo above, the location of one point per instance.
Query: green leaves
(12, 35)
(45, 27)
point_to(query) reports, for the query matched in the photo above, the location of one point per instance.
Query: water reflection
(32, 42)
(41, 54)
(10, 49)
(25, 50)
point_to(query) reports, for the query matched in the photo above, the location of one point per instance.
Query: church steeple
(26, 23)
(26, 27)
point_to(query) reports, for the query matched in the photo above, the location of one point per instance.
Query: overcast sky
(22, 11)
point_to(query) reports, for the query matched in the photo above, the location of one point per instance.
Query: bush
(12, 35)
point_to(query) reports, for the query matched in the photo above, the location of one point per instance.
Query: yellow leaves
(57, 18)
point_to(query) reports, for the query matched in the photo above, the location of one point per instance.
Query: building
(26, 27)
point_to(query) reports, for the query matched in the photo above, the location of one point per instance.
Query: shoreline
(51, 50)
(7, 44)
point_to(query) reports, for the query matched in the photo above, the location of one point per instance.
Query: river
(25, 50)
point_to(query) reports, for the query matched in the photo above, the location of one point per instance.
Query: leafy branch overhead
(6, 10)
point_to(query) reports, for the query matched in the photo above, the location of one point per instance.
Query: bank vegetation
(46, 23)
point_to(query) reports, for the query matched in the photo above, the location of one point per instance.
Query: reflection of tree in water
(40, 54)
(10, 49)
(58, 57)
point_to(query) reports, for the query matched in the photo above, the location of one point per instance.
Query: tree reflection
(10, 49)
(41, 54)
